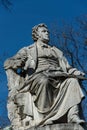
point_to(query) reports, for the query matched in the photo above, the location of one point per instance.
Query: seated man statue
(41, 88)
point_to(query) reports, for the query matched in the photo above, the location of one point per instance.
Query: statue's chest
(46, 52)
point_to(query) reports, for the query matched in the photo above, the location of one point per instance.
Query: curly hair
(35, 29)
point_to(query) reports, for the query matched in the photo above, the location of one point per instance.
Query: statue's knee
(73, 80)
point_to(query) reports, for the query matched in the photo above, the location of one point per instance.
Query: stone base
(62, 126)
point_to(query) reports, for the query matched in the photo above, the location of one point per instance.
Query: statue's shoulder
(58, 51)
(31, 46)
(27, 48)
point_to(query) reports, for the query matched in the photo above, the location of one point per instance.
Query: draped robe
(48, 95)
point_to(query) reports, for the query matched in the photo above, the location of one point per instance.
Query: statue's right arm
(17, 60)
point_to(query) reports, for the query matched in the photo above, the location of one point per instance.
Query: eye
(44, 31)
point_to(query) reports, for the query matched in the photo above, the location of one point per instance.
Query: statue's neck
(39, 42)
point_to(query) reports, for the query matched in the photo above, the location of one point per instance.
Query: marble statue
(40, 89)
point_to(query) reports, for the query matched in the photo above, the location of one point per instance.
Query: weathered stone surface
(43, 87)
(64, 126)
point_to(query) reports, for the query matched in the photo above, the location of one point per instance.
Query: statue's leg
(73, 115)
(44, 92)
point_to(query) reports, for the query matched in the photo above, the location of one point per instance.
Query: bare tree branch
(7, 4)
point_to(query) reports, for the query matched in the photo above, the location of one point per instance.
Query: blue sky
(16, 26)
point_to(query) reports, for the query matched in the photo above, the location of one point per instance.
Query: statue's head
(40, 32)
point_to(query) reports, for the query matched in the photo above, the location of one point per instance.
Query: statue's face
(43, 34)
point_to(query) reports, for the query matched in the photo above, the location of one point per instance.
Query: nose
(47, 32)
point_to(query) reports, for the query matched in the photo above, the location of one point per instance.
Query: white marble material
(40, 89)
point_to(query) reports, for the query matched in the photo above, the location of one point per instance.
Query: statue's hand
(74, 71)
(79, 73)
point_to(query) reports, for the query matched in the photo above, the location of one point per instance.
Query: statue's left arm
(71, 70)
(66, 67)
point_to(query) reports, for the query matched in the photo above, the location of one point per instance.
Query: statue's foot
(77, 120)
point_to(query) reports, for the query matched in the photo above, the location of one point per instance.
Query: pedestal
(62, 126)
